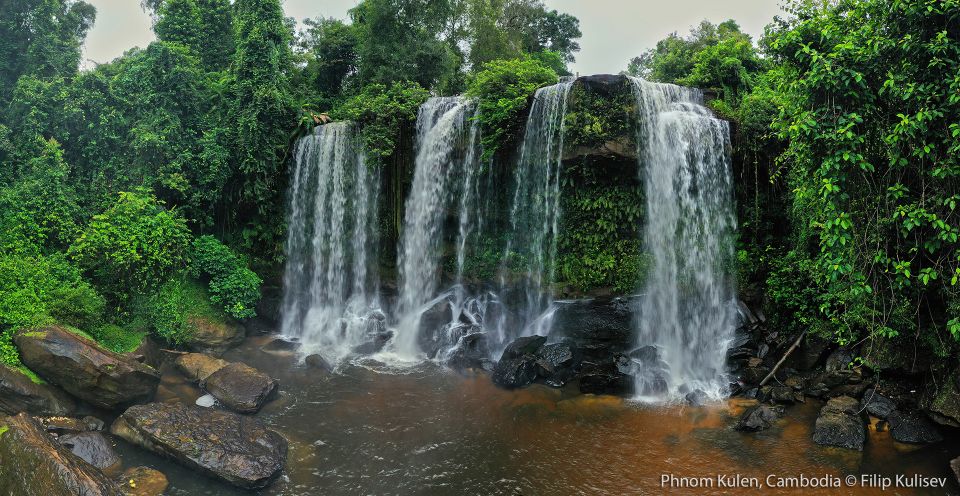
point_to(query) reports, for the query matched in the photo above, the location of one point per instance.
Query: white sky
(613, 30)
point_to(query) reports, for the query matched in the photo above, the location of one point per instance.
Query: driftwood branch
(785, 355)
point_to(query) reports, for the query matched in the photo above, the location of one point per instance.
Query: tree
(332, 48)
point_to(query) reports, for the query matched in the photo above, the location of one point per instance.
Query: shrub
(233, 286)
(133, 246)
(382, 113)
(502, 89)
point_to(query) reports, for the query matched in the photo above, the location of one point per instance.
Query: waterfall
(445, 150)
(330, 247)
(687, 310)
(535, 210)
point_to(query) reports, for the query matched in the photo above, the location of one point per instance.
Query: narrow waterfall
(535, 210)
(445, 150)
(328, 301)
(687, 311)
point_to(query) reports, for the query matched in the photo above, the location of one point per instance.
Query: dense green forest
(144, 192)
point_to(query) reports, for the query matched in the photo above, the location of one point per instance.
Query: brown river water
(431, 431)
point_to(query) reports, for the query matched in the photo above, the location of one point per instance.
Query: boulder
(840, 425)
(143, 481)
(913, 427)
(877, 405)
(471, 352)
(240, 387)
(783, 395)
(34, 464)
(513, 373)
(840, 359)
(758, 418)
(650, 355)
(943, 405)
(18, 393)
(317, 361)
(93, 448)
(213, 337)
(430, 329)
(753, 374)
(527, 345)
(696, 397)
(605, 378)
(85, 369)
(377, 342)
(557, 363)
(198, 367)
(598, 327)
(955, 465)
(235, 448)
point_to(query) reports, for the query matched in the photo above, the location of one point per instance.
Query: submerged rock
(34, 464)
(758, 418)
(839, 424)
(86, 370)
(93, 448)
(232, 447)
(18, 393)
(240, 387)
(877, 405)
(197, 367)
(317, 361)
(143, 481)
(696, 397)
(913, 427)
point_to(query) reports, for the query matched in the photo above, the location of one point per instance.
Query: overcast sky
(613, 30)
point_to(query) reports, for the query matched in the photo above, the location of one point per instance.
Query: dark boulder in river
(93, 448)
(758, 418)
(839, 424)
(599, 327)
(85, 369)
(34, 464)
(235, 448)
(558, 363)
(240, 387)
(877, 405)
(606, 377)
(913, 427)
(20, 394)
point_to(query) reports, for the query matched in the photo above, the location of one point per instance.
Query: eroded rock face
(232, 447)
(913, 427)
(33, 464)
(86, 370)
(143, 481)
(198, 367)
(20, 394)
(758, 418)
(840, 425)
(240, 387)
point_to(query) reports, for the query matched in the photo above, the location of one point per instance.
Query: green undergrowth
(171, 311)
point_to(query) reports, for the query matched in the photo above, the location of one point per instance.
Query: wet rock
(913, 427)
(280, 346)
(93, 448)
(240, 387)
(598, 327)
(758, 418)
(557, 363)
(86, 370)
(236, 448)
(18, 393)
(316, 361)
(943, 405)
(754, 374)
(840, 425)
(527, 345)
(433, 322)
(822, 384)
(877, 405)
(840, 359)
(63, 425)
(213, 338)
(605, 378)
(93, 423)
(206, 401)
(197, 367)
(377, 342)
(955, 465)
(143, 481)
(514, 373)
(34, 464)
(471, 352)
(812, 351)
(647, 355)
(783, 395)
(696, 397)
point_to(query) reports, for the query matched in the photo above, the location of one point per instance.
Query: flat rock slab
(235, 448)
(85, 369)
(198, 367)
(240, 387)
(34, 464)
(20, 394)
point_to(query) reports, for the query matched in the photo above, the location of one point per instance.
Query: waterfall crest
(687, 311)
(330, 301)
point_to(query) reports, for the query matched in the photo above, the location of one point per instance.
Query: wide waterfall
(687, 311)
(445, 151)
(330, 299)
(535, 210)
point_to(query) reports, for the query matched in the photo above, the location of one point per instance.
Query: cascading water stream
(327, 302)
(687, 310)
(535, 211)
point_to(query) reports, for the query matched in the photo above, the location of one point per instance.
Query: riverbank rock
(93, 448)
(955, 465)
(143, 481)
(86, 370)
(33, 464)
(840, 425)
(557, 363)
(877, 405)
(944, 404)
(606, 377)
(198, 367)
(758, 418)
(517, 367)
(212, 337)
(18, 393)
(240, 387)
(232, 447)
(913, 427)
